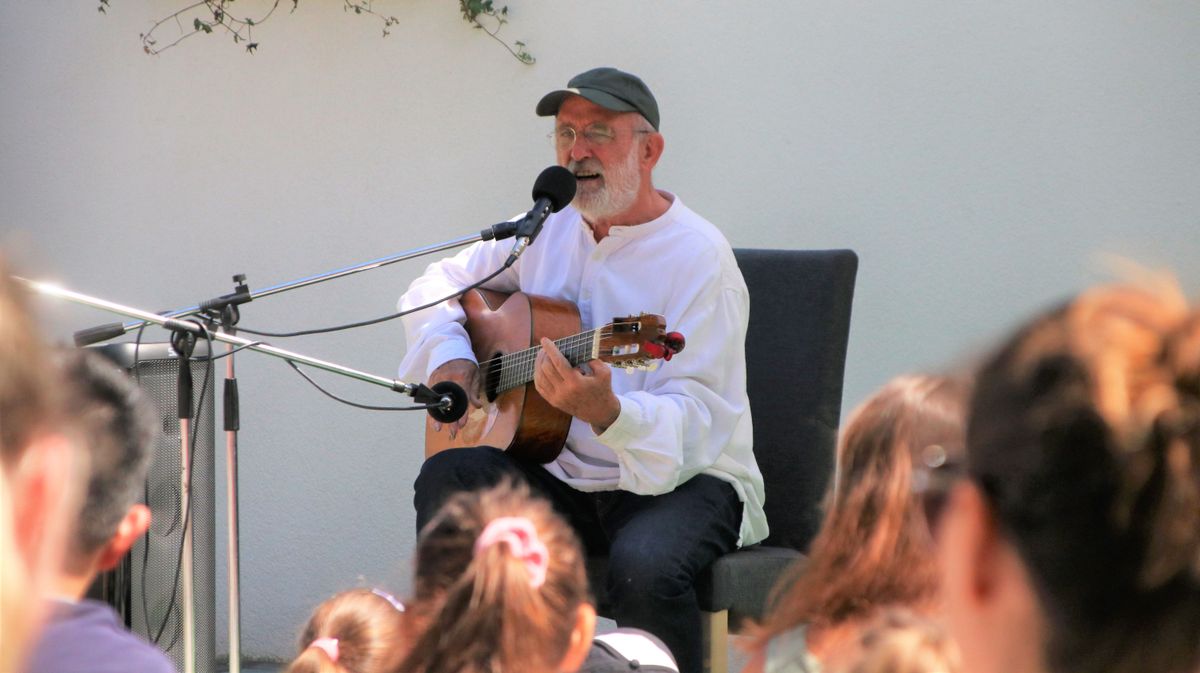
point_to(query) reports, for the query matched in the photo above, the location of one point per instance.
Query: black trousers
(656, 545)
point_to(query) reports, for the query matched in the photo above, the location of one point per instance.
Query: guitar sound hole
(491, 379)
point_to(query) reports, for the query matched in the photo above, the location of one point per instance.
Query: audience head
(37, 464)
(873, 549)
(1075, 542)
(358, 631)
(500, 586)
(30, 409)
(116, 426)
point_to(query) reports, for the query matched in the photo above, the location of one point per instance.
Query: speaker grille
(155, 582)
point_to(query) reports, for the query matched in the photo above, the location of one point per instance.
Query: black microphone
(94, 335)
(449, 400)
(552, 191)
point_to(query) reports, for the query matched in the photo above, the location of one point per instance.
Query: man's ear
(44, 500)
(652, 150)
(581, 638)
(132, 526)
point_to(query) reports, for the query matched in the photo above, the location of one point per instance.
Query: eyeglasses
(933, 476)
(564, 137)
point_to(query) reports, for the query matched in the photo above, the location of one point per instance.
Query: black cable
(213, 358)
(306, 377)
(393, 316)
(187, 514)
(137, 377)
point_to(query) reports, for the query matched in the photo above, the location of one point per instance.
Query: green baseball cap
(609, 88)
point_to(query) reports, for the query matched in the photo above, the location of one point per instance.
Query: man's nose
(582, 149)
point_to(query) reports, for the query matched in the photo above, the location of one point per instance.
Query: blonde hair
(369, 630)
(484, 612)
(37, 474)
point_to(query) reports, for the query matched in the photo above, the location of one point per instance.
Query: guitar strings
(516, 369)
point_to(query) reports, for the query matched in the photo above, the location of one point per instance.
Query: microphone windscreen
(556, 184)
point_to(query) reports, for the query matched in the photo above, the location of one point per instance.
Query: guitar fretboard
(515, 369)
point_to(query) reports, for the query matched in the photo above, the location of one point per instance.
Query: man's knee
(457, 469)
(448, 472)
(637, 573)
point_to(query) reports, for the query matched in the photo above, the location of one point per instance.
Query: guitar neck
(515, 369)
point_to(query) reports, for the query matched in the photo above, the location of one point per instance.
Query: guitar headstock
(638, 342)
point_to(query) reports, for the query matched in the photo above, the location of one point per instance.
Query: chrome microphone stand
(446, 402)
(439, 398)
(225, 308)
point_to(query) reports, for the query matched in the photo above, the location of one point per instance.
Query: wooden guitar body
(517, 420)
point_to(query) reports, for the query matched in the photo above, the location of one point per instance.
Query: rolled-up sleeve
(436, 335)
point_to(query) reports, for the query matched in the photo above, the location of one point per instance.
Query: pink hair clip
(330, 645)
(389, 598)
(522, 540)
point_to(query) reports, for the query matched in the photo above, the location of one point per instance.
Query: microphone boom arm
(113, 330)
(445, 398)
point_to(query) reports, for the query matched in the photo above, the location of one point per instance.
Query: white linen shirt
(690, 416)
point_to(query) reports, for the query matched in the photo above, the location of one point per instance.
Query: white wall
(975, 154)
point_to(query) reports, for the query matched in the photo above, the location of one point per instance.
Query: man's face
(604, 157)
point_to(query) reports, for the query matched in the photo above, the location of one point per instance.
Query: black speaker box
(147, 588)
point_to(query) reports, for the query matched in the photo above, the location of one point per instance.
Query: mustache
(586, 166)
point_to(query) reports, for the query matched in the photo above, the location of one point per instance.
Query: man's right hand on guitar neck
(466, 374)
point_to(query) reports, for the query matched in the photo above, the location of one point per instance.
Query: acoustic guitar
(505, 333)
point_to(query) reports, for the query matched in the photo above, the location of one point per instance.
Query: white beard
(617, 194)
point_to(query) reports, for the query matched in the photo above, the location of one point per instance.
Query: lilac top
(88, 637)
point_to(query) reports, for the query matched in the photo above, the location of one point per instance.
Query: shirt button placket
(589, 278)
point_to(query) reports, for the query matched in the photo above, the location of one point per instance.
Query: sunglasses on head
(934, 474)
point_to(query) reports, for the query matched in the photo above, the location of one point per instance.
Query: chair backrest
(796, 357)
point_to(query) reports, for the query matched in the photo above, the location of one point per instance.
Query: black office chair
(795, 359)
(800, 304)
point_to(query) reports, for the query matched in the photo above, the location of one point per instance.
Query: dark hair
(1084, 436)
(116, 426)
(479, 612)
(369, 629)
(873, 548)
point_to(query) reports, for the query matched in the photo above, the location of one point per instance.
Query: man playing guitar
(657, 471)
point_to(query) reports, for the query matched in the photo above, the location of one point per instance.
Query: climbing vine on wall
(228, 18)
